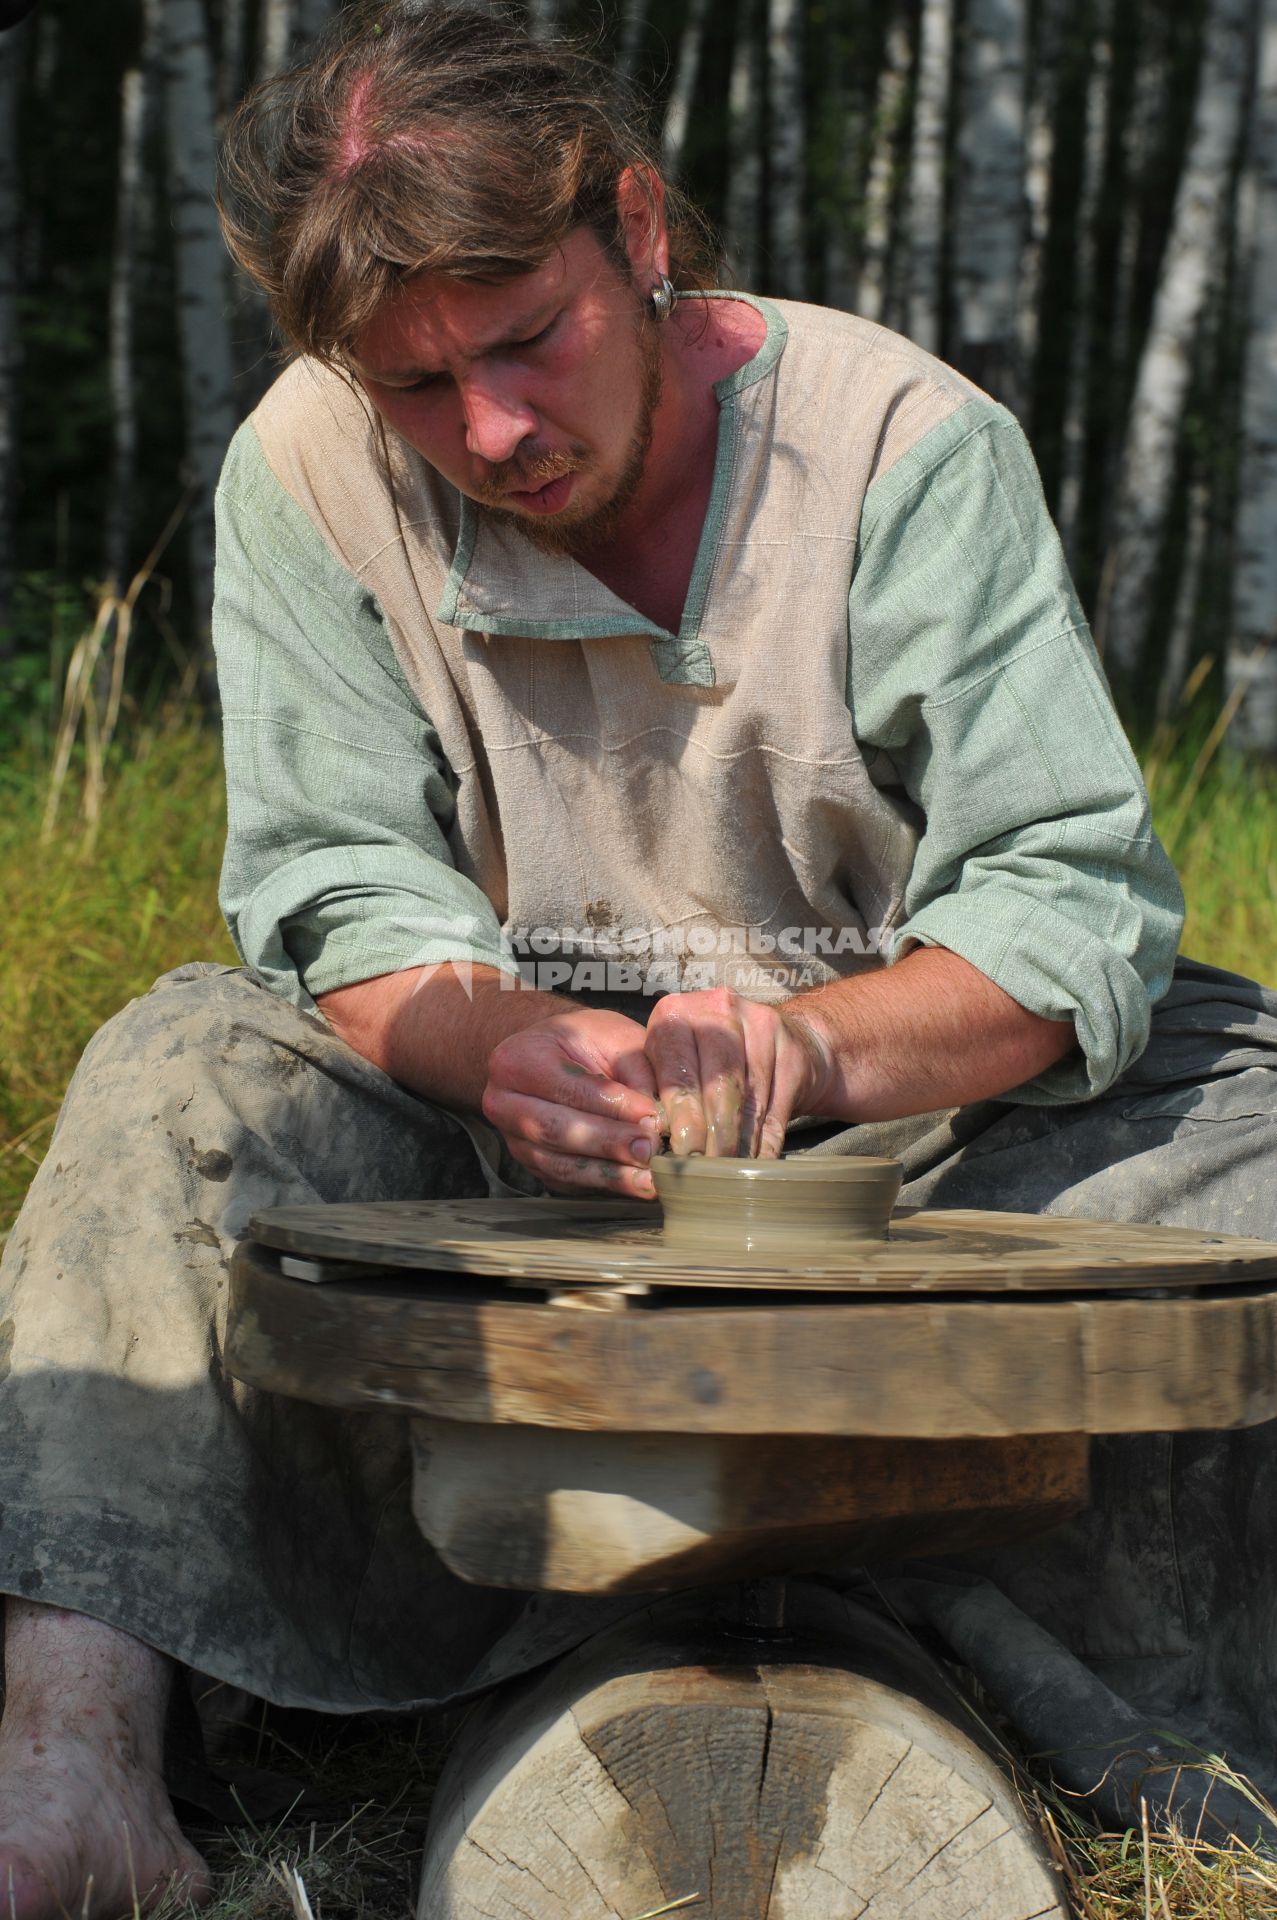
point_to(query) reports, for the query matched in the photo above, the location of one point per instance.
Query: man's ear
(640, 211)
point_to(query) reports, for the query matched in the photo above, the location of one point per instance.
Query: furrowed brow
(518, 331)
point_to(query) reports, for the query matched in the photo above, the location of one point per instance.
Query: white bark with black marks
(678, 108)
(12, 47)
(882, 185)
(200, 266)
(1077, 399)
(275, 37)
(543, 18)
(630, 39)
(120, 359)
(1189, 271)
(1041, 109)
(927, 173)
(1179, 646)
(990, 206)
(845, 111)
(744, 149)
(230, 53)
(1252, 656)
(787, 141)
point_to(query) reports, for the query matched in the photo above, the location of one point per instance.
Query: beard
(578, 531)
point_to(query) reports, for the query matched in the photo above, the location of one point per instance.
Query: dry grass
(351, 1847)
(1144, 1875)
(352, 1850)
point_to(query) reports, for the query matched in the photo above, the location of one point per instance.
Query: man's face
(535, 396)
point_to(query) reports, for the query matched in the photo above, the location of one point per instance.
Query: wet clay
(778, 1209)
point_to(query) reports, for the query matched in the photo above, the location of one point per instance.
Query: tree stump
(770, 1780)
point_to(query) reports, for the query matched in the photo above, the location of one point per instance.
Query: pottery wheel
(582, 1243)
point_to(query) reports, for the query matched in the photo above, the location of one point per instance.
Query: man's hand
(731, 1073)
(575, 1100)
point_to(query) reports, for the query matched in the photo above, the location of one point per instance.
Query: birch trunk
(843, 127)
(1187, 277)
(1179, 647)
(543, 18)
(630, 39)
(1077, 398)
(1252, 655)
(1041, 111)
(12, 45)
(678, 110)
(120, 364)
(744, 150)
(276, 37)
(883, 182)
(785, 95)
(927, 173)
(1139, 144)
(989, 237)
(200, 266)
(230, 54)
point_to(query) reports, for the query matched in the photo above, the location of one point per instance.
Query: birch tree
(230, 53)
(11, 53)
(873, 294)
(1041, 107)
(543, 17)
(678, 108)
(630, 39)
(120, 361)
(744, 150)
(927, 173)
(199, 260)
(785, 98)
(989, 238)
(1252, 655)
(276, 36)
(1077, 394)
(1188, 273)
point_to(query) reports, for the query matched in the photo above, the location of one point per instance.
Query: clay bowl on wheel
(780, 1209)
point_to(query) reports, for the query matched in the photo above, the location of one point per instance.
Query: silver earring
(662, 298)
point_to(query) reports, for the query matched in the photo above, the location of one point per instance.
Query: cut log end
(767, 1791)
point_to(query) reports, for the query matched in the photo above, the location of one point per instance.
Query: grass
(352, 1850)
(90, 918)
(123, 886)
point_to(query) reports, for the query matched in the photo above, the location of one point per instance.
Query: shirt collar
(499, 583)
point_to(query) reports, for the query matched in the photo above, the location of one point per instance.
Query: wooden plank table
(591, 1413)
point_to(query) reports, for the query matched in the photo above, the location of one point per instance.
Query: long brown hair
(430, 136)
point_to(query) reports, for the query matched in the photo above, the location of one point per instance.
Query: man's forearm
(430, 1032)
(928, 1033)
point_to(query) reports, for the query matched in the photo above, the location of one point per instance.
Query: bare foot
(86, 1826)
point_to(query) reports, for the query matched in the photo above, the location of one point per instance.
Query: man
(567, 615)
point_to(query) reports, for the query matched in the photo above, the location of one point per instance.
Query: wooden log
(768, 1783)
(918, 1365)
(536, 1507)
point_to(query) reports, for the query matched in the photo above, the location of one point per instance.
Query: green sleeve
(971, 667)
(339, 796)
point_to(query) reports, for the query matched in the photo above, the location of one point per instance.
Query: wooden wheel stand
(599, 1416)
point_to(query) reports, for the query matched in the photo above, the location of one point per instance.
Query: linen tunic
(881, 712)
(881, 722)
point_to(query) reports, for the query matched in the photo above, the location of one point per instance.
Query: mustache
(526, 474)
